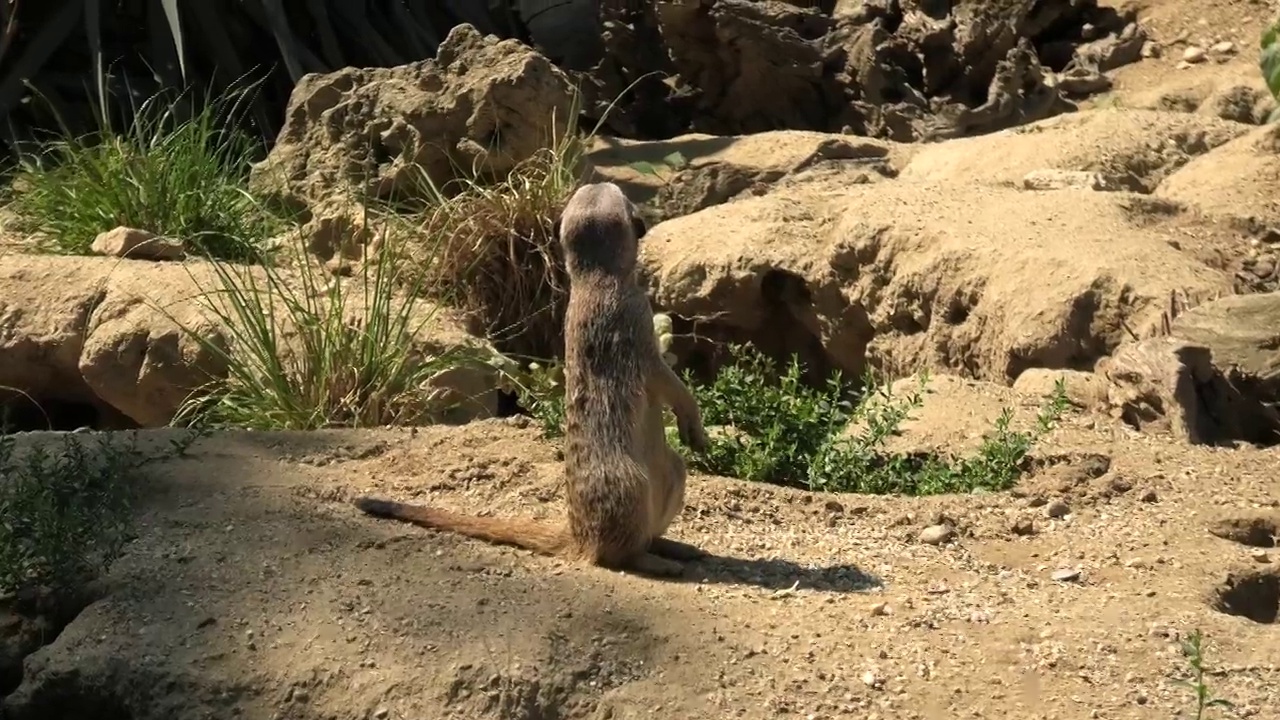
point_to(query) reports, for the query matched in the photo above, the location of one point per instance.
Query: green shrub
(769, 426)
(305, 350)
(65, 510)
(176, 177)
(778, 430)
(1269, 62)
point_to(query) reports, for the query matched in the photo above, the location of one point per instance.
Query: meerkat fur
(625, 483)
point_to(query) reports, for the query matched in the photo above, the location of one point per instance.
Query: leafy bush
(303, 355)
(173, 176)
(1269, 62)
(771, 427)
(783, 432)
(64, 514)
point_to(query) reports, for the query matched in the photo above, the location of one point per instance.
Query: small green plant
(1269, 63)
(64, 510)
(1193, 651)
(672, 163)
(304, 350)
(774, 428)
(174, 176)
(541, 392)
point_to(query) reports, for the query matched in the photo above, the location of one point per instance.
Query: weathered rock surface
(909, 274)
(903, 71)
(482, 104)
(108, 333)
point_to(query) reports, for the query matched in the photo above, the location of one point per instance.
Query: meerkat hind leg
(651, 564)
(675, 550)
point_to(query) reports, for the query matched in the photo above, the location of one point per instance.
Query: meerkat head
(600, 230)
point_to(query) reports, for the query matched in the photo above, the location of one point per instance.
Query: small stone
(1024, 527)
(1151, 49)
(1261, 556)
(381, 713)
(1226, 47)
(135, 244)
(1054, 179)
(1057, 509)
(1149, 496)
(1065, 575)
(871, 680)
(937, 534)
(879, 609)
(1193, 54)
(1120, 485)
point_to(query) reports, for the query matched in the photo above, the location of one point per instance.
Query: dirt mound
(378, 133)
(906, 274)
(98, 342)
(1236, 182)
(253, 590)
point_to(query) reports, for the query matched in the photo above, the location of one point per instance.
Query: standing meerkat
(625, 483)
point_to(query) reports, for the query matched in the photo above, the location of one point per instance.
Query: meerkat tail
(540, 537)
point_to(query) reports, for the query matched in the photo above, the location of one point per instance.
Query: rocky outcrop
(482, 105)
(898, 70)
(118, 337)
(934, 269)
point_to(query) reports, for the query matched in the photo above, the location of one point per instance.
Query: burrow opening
(21, 412)
(1257, 531)
(1254, 596)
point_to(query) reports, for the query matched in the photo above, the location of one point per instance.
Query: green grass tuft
(305, 350)
(174, 177)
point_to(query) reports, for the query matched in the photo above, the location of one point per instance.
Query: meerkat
(625, 483)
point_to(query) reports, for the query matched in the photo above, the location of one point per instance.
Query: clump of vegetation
(1269, 62)
(175, 175)
(305, 350)
(769, 426)
(1193, 651)
(498, 259)
(64, 510)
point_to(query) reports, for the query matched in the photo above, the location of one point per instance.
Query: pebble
(1226, 47)
(1057, 509)
(1261, 556)
(1065, 575)
(1149, 496)
(937, 534)
(1193, 54)
(880, 609)
(1023, 526)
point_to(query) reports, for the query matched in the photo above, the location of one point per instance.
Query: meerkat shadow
(778, 574)
(774, 574)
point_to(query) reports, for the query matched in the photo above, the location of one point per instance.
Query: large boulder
(109, 334)
(482, 104)
(937, 269)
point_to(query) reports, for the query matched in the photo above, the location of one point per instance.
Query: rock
(91, 331)
(1023, 526)
(482, 103)
(1057, 509)
(718, 169)
(1225, 47)
(1065, 575)
(1149, 496)
(1242, 333)
(1172, 386)
(1193, 54)
(1062, 179)
(135, 244)
(928, 270)
(1133, 150)
(937, 534)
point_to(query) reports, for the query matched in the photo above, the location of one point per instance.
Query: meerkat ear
(638, 226)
